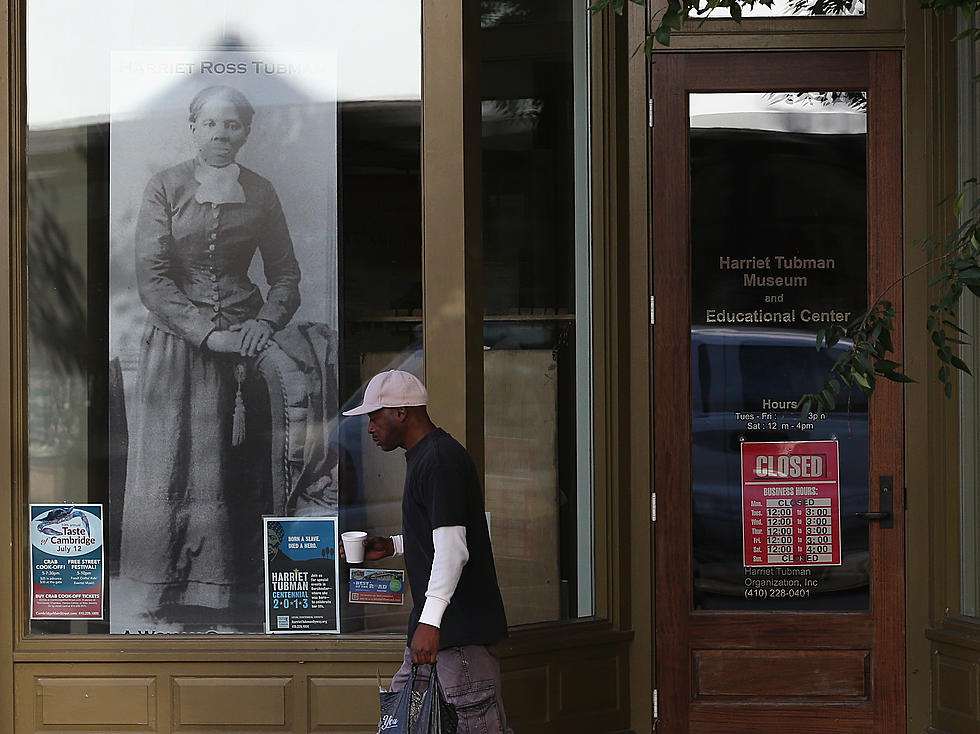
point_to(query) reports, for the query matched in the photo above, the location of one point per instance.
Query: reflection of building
(522, 292)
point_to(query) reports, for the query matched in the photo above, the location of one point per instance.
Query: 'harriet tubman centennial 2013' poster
(301, 575)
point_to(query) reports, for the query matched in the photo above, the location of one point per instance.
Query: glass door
(776, 213)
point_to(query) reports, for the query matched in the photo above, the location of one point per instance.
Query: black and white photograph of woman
(185, 550)
(202, 464)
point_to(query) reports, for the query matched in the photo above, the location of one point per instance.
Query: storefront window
(779, 250)
(968, 129)
(537, 329)
(158, 250)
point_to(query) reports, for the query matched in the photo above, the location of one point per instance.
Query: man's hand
(375, 548)
(425, 644)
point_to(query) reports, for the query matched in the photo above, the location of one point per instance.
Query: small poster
(66, 561)
(377, 586)
(791, 503)
(301, 573)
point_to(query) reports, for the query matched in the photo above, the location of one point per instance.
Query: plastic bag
(399, 709)
(410, 712)
(437, 715)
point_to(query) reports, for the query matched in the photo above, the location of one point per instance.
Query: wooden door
(768, 224)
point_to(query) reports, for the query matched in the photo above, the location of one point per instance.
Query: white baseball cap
(391, 389)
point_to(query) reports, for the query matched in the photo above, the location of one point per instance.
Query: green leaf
(944, 373)
(806, 402)
(971, 275)
(959, 364)
(938, 338)
(886, 341)
(860, 379)
(953, 325)
(833, 386)
(821, 335)
(662, 35)
(736, 10)
(886, 365)
(948, 389)
(898, 377)
(828, 399)
(674, 15)
(937, 279)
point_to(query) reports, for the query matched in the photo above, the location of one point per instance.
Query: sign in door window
(791, 504)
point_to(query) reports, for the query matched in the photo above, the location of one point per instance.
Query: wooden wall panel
(344, 704)
(713, 718)
(110, 702)
(956, 678)
(589, 685)
(569, 680)
(956, 686)
(522, 695)
(781, 674)
(206, 703)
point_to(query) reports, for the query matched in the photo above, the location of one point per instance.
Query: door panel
(777, 210)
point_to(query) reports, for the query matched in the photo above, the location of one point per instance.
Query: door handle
(886, 503)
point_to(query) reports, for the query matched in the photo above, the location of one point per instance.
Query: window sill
(525, 640)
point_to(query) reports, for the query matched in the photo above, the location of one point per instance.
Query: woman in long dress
(191, 530)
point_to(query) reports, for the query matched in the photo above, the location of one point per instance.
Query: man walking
(460, 616)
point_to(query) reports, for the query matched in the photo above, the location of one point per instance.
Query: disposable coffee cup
(353, 547)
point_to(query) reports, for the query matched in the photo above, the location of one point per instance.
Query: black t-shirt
(442, 489)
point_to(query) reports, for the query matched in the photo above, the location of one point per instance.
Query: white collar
(218, 185)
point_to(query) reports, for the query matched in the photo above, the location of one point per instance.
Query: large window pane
(142, 248)
(537, 324)
(778, 250)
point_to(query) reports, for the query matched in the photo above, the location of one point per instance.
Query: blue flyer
(301, 575)
(67, 561)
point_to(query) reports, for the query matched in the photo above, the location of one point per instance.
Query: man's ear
(400, 414)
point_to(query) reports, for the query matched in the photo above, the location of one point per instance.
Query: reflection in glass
(790, 8)
(779, 249)
(336, 130)
(536, 331)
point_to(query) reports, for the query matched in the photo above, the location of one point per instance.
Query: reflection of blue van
(744, 386)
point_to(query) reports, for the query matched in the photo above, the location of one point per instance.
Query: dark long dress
(192, 511)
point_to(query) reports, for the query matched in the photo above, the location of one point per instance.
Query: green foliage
(959, 270)
(967, 8)
(861, 365)
(617, 6)
(957, 260)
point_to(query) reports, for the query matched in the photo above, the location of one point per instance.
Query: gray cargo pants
(470, 678)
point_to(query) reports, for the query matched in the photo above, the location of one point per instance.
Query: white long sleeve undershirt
(451, 554)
